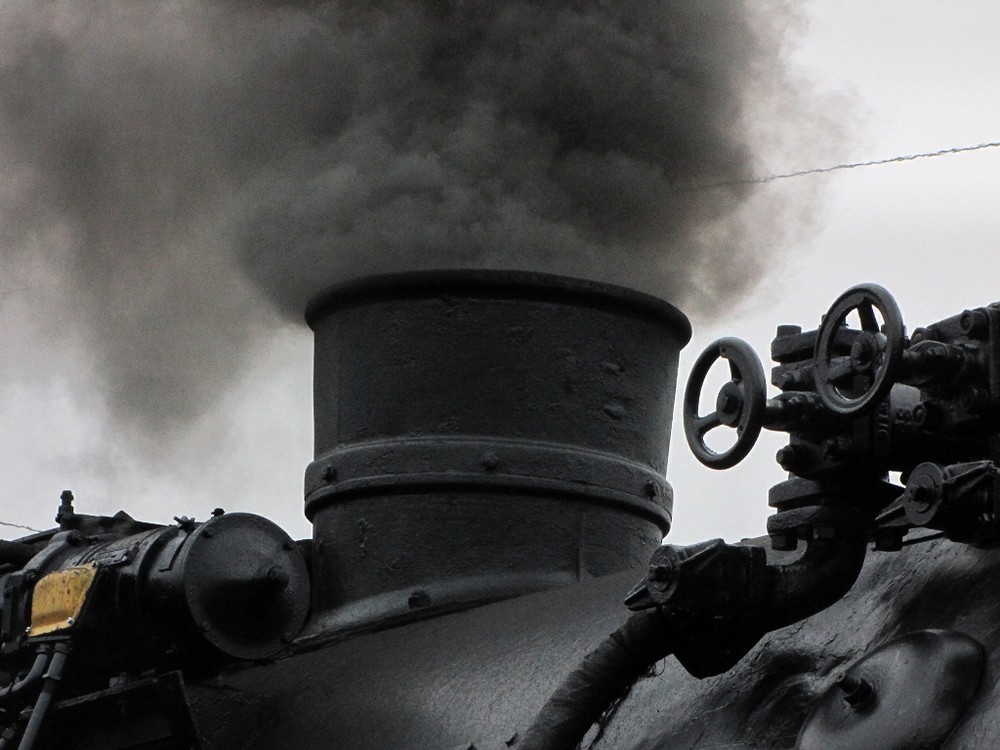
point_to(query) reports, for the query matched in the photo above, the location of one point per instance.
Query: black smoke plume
(168, 166)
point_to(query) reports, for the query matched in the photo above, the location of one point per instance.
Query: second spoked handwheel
(852, 384)
(739, 404)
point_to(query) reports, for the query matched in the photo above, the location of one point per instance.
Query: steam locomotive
(486, 570)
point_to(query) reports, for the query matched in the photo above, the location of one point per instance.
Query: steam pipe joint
(706, 603)
(720, 599)
(825, 572)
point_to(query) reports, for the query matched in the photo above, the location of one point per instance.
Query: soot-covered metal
(488, 498)
(481, 435)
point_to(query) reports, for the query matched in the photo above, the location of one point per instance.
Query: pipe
(824, 573)
(34, 674)
(8, 734)
(604, 677)
(769, 598)
(50, 681)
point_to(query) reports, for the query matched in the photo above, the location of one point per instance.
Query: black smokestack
(168, 165)
(484, 434)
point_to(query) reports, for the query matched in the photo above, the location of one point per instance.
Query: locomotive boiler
(486, 570)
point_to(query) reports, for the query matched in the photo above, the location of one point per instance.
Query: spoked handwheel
(739, 405)
(851, 385)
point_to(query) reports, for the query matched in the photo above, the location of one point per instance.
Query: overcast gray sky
(915, 76)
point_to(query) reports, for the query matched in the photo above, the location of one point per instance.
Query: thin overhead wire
(849, 165)
(19, 526)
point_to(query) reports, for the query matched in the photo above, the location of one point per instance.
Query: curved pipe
(49, 683)
(33, 676)
(8, 734)
(825, 572)
(604, 677)
(774, 596)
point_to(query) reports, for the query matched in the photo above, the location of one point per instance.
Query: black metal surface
(486, 435)
(195, 596)
(765, 700)
(477, 677)
(905, 695)
(234, 586)
(158, 713)
(481, 435)
(16, 553)
(152, 714)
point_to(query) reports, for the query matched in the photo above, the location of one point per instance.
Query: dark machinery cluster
(132, 600)
(861, 402)
(488, 479)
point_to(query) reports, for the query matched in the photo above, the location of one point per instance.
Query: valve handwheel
(875, 357)
(739, 405)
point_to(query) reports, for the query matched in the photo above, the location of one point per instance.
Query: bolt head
(782, 542)
(863, 352)
(824, 532)
(788, 330)
(788, 457)
(920, 497)
(972, 322)
(889, 540)
(659, 573)
(729, 403)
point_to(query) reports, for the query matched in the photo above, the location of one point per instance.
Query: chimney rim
(506, 283)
